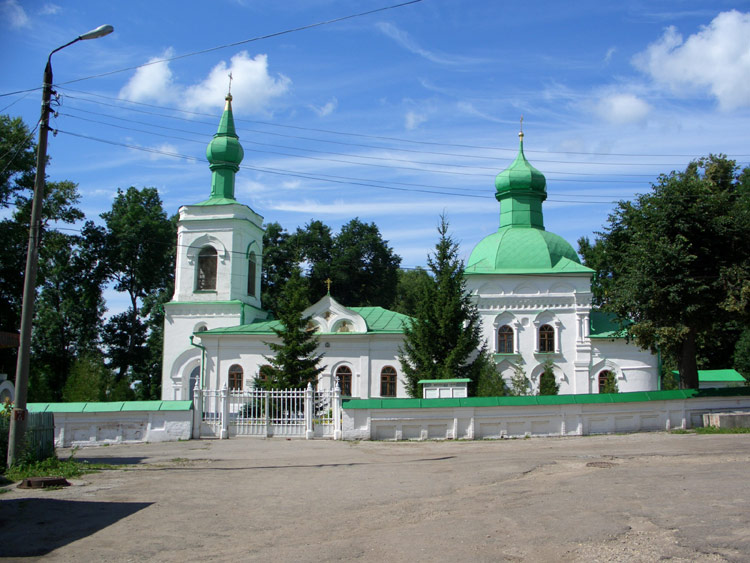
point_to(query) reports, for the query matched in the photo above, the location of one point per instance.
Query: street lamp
(18, 418)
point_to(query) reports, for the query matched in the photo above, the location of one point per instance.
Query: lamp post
(18, 418)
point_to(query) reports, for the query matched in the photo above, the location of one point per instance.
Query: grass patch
(715, 430)
(54, 467)
(681, 431)
(4, 490)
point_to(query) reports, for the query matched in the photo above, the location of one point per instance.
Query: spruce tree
(444, 336)
(547, 383)
(519, 383)
(294, 363)
(610, 384)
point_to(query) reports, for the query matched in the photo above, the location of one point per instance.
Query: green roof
(605, 325)
(114, 406)
(718, 375)
(635, 397)
(521, 175)
(524, 250)
(377, 319)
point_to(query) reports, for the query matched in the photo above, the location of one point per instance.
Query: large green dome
(518, 250)
(521, 245)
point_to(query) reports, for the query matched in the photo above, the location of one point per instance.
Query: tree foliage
(139, 250)
(676, 262)
(294, 363)
(445, 335)
(362, 267)
(548, 385)
(519, 383)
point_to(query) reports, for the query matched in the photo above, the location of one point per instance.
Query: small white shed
(444, 388)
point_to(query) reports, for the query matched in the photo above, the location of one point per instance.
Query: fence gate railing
(307, 413)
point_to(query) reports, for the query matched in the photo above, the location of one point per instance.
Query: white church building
(533, 294)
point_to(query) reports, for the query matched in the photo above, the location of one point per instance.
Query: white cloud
(717, 59)
(50, 10)
(407, 42)
(15, 13)
(608, 56)
(412, 120)
(327, 109)
(251, 84)
(622, 108)
(164, 150)
(150, 83)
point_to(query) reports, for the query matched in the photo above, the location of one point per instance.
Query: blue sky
(393, 117)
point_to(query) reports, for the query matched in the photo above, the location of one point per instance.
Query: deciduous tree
(676, 261)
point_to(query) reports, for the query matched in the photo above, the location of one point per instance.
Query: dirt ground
(639, 497)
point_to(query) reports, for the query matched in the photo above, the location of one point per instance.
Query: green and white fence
(294, 413)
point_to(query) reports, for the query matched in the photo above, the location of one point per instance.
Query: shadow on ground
(110, 460)
(36, 526)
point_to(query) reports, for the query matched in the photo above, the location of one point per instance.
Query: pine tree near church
(294, 363)
(444, 337)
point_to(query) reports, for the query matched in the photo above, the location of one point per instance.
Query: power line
(228, 45)
(379, 137)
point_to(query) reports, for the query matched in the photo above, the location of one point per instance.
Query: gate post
(267, 401)
(224, 433)
(309, 409)
(197, 410)
(336, 410)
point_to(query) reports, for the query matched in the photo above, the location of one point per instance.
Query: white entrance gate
(299, 413)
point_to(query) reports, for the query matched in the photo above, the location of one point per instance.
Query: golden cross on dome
(230, 83)
(520, 133)
(328, 283)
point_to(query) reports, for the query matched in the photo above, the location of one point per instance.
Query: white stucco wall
(95, 429)
(365, 354)
(531, 420)
(562, 301)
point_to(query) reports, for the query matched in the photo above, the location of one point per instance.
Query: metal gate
(300, 413)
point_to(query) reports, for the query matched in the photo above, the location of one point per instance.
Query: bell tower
(218, 266)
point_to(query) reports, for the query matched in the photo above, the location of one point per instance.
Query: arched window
(251, 265)
(607, 382)
(546, 338)
(207, 261)
(388, 382)
(505, 340)
(344, 373)
(235, 378)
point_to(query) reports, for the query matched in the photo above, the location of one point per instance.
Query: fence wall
(296, 413)
(473, 418)
(91, 424)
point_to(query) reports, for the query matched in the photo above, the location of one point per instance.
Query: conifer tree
(610, 384)
(294, 363)
(547, 383)
(519, 383)
(444, 336)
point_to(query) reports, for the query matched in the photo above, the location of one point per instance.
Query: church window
(235, 378)
(546, 339)
(388, 382)
(606, 377)
(207, 263)
(251, 266)
(505, 340)
(344, 373)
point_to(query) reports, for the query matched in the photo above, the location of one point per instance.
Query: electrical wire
(226, 46)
